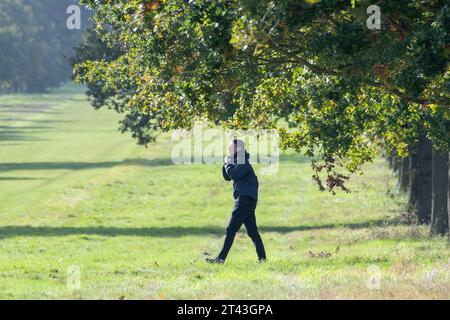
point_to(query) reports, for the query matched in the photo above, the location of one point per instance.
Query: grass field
(75, 194)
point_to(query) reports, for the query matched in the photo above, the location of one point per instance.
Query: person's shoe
(215, 260)
(264, 260)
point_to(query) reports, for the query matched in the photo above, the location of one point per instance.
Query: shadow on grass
(19, 178)
(13, 119)
(157, 232)
(17, 166)
(15, 135)
(28, 111)
(37, 121)
(21, 133)
(15, 128)
(45, 121)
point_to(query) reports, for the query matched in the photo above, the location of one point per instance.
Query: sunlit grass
(75, 192)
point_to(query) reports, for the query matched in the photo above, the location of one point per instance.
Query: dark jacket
(245, 181)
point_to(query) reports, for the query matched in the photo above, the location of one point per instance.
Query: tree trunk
(391, 161)
(413, 182)
(448, 197)
(439, 212)
(420, 180)
(403, 177)
(396, 164)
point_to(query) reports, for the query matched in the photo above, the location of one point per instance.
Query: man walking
(245, 193)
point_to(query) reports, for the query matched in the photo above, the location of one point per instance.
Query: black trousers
(243, 213)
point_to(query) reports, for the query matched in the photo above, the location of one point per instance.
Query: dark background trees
(35, 44)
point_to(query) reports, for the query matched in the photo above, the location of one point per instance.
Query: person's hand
(228, 159)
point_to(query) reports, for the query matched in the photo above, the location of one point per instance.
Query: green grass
(76, 192)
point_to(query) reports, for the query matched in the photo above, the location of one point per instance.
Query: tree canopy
(311, 69)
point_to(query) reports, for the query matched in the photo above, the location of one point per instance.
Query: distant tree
(420, 173)
(55, 43)
(16, 40)
(36, 44)
(440, 214)
(448, 196)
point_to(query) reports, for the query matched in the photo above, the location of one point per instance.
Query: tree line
(334, 89)
(35, 44)
(424, 175)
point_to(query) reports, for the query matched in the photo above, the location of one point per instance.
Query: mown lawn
(78, 195)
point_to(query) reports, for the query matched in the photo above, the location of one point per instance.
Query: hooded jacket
(245, 181)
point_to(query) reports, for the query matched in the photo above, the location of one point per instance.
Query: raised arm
(237, 171)
(225, 174)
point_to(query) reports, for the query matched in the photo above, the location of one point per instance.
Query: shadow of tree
(15, 128)
(17, 166)
(19, 178)
(158, 232)
(27, 111)
(16, 135)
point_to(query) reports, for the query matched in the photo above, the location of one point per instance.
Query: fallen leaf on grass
(322, 254)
